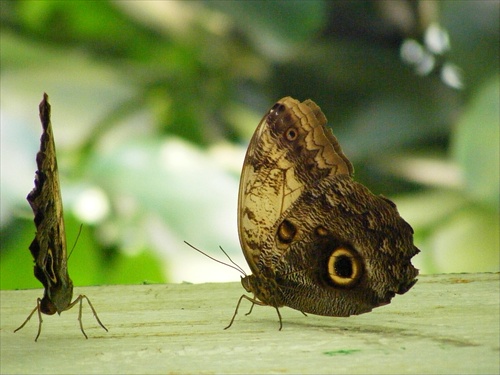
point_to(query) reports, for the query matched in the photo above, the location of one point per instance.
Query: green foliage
(475, 144)
(153, 104)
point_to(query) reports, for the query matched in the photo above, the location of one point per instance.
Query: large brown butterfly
(49, 246)
(316, 240)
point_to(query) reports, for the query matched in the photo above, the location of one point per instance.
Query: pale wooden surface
(445, 324)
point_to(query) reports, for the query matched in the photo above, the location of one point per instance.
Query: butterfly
(314, 239)
(49, 245)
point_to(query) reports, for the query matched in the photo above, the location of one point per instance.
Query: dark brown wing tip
(44, 109)
(45, 100)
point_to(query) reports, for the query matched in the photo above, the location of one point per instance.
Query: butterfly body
(316, 240)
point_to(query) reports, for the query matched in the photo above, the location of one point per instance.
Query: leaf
(476, 144)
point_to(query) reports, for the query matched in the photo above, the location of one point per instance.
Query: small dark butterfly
(49, 246)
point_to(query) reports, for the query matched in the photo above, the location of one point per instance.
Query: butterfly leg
(279, 316)
(80, 300)
(235, 311)
(254, 302)
(251, 308)
(37, 308)
(95, 313)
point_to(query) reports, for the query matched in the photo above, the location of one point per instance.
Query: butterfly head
(57, 297)
(265, 289)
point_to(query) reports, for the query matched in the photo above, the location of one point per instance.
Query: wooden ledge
(445, 324)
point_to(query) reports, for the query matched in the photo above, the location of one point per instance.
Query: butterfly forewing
(276, 172)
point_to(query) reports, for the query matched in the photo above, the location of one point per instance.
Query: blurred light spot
(431, 172)
(228, 156)
(426, 65)
(178, 155)
(452, 76)
(423, 58)
(92, 206)
(436, 39)
(135, 159)
(411, 52)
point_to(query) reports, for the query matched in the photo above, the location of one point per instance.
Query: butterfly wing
(344, 250)
(290, 151)
(316, 240)
(49, 246)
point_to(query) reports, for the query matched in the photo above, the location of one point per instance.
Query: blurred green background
(153, 105)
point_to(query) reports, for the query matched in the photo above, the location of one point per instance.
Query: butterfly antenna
(233, 262)
(233, 265)
(77, 237)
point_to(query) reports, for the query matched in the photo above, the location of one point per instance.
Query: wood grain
(448, 324)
